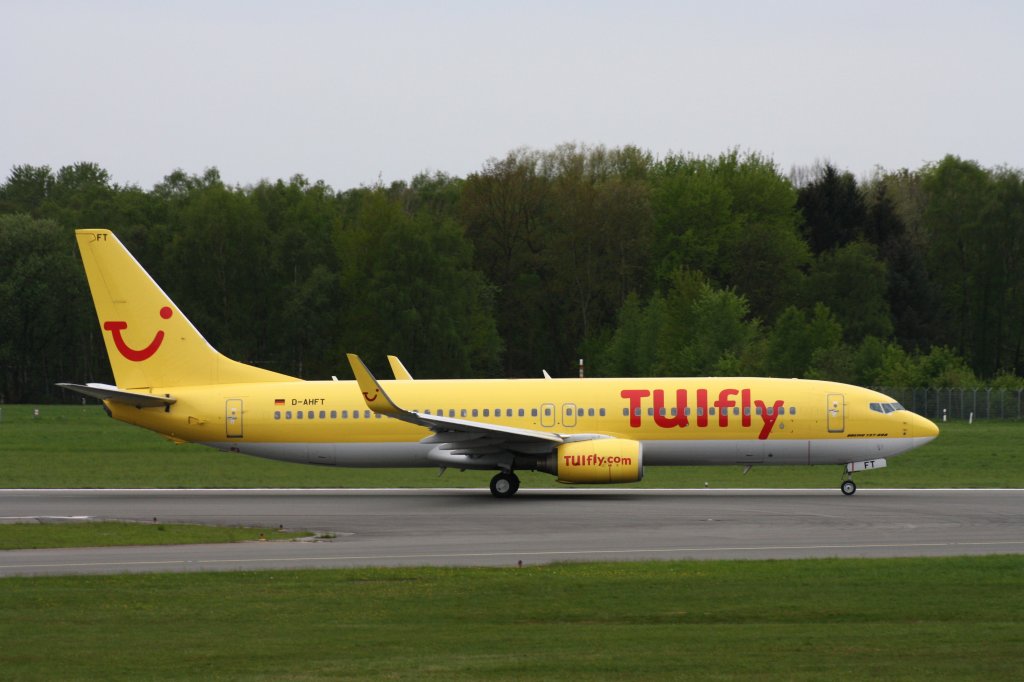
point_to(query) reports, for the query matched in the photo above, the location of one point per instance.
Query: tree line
(676, 265)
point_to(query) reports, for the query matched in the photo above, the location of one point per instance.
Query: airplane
(170, 380)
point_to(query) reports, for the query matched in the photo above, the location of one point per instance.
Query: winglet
(398, 369)
(375, 397)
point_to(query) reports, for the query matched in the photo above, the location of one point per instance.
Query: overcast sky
(349, 92)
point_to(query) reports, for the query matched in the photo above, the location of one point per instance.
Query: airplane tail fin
(149, 340)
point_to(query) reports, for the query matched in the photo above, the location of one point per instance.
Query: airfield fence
(960, 403)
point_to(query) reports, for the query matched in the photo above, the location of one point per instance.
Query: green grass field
(111, 533)
(80, 447)
(892, 619)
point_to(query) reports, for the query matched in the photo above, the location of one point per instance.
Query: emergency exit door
(233, 418)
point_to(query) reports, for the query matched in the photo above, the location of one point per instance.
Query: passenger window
(451, 413)
(735, 411)
(288, 414)
(602, 412)
(700, 411)
(661, 411)
(463, 412)
(366, 414)
(590, 412)
(334, 414)
(522, 412)
(310, 414)
(746, 411)
(711, 411)
(475, 412)
(638, 412)
(533, 412)
(771, 411)
(298, 414)
(277, 414)
(792, 411)
(344, 414)
(625, 411)
(650, 411)
(758, 411)
(323, 414)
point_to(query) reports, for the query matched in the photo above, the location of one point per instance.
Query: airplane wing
(398, 369)
(117, 395)
(451, 434)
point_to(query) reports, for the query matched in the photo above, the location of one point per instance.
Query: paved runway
(453, 527)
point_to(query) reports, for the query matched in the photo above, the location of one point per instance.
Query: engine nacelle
(601, 460)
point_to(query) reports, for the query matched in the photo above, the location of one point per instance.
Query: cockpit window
(886, 408)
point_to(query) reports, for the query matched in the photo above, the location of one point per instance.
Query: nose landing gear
(504, 484)
(848, 487)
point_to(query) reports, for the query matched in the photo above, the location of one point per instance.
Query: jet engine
(601, 460)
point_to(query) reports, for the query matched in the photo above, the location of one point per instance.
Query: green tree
(853, 283)
(833, 209)
(504, 209)
(633, 348)
(734, 218)
(795, 339)
(26, 189)
(975, 220)
(410, 288)
(45, 315)
(598, 229)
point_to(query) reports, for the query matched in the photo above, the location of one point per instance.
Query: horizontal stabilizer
(117, 395)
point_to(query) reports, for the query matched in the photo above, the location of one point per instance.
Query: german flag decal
(279, 401)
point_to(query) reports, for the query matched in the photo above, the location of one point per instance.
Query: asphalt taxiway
(458, 527)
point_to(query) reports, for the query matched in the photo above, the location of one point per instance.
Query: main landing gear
(504, 484)
(848, 487)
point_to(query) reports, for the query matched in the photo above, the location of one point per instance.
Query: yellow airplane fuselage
(170, 380)
(679, 421)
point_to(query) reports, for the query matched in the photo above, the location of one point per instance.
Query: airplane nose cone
(924, 428)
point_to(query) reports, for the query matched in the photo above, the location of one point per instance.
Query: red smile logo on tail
(127, 351)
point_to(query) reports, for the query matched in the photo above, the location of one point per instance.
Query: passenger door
(836, 411)
(233, 418)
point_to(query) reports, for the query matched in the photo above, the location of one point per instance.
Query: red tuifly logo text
(678, 416)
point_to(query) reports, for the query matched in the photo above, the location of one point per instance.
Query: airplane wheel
(504, 485)
(848, 487)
